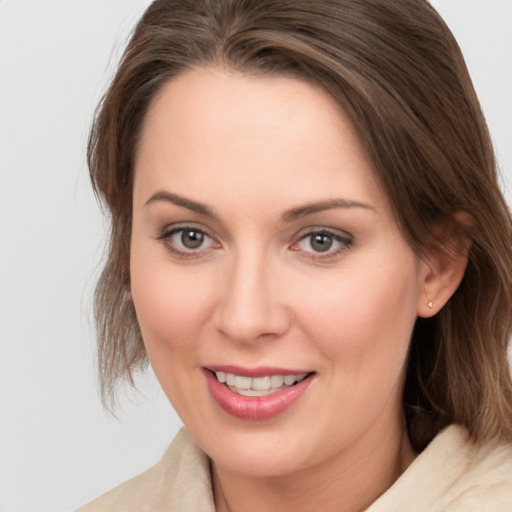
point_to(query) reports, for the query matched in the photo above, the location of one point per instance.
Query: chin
(261, 449)
(261, 454)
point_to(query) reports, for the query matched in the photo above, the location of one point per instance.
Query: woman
(310, 247)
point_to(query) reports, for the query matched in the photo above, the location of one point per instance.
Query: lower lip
(255, 407)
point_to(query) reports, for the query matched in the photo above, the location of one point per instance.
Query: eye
(190, 238)
(322, 243)
(188, 241)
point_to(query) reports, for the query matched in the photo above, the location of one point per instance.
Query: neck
(348, 482)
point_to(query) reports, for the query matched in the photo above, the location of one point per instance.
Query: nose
(251, 302)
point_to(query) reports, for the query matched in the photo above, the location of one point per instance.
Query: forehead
(209, 128)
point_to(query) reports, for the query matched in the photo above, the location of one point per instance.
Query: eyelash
(169, 233)
(345, 241)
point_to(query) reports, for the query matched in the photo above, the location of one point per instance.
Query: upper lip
(260, 371)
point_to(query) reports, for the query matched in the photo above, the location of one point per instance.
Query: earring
(430, 304)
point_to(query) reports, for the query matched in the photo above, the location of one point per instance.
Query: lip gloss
(255, 407)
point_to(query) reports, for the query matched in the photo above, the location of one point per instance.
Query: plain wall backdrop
(58, 447)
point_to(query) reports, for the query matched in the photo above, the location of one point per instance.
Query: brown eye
(188, 242)
(192, 238)
(321, 242)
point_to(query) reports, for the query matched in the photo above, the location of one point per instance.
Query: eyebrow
(330, 204)
(178, 200)
(288, 216)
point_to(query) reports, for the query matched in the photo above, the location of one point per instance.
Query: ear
(443, 268)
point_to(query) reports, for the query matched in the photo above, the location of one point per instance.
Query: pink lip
(254, 407)
(260, 371)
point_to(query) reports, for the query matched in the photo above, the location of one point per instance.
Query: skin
(256, 292)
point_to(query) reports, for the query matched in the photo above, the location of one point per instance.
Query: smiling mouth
(258, 386)
(256, 394)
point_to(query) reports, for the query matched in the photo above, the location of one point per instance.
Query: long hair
(396, 69)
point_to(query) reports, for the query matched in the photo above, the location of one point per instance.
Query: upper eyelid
(217, 232)
(179, 226)
(323, 229)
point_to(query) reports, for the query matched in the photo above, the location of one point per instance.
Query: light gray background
(58, 447)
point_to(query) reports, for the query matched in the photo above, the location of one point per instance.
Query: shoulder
(485, 484)
(179, 481)
(454, 474)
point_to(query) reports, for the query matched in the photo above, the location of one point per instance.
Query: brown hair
(396, 69)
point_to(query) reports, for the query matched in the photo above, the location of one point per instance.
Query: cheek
(171, 303)
(171, 307)
(364, 317)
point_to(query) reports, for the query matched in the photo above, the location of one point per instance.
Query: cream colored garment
(451, 475)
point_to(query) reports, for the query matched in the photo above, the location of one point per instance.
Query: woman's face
(264, 253)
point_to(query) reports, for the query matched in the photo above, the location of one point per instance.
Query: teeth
(289, 379)
(260, 383)
(276, 381)
(250, 392)
(258, 386)
(243, 382)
